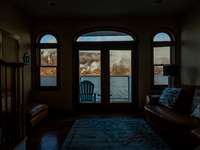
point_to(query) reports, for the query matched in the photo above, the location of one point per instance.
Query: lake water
(119, 87)
(160, 80)
(48, 81)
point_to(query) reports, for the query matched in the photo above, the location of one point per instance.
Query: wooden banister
(11, 64)
(13, 121)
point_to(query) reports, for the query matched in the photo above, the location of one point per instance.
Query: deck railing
(112, 76)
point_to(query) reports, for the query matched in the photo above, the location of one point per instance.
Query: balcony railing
(120, 87)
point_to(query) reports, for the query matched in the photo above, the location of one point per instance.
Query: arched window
(47, 58)
(163, 44)
(104, 36)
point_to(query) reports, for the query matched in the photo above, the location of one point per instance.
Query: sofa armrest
(195, 136)
(152, 99)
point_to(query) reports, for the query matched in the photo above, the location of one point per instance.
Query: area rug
(112, 134)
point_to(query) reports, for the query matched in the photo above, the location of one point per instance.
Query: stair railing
(12, 114)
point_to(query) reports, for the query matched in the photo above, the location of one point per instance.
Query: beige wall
(66, 29)
(16, 22)
(190, 46)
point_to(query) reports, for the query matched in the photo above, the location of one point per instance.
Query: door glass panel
(90, 70)
(120, 76)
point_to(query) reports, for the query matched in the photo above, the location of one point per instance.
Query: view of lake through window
(48, 73)
(48, 62)
(161, 57)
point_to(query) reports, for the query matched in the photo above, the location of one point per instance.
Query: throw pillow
(169, 97)
(196, 112)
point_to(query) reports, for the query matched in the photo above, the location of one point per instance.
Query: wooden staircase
(12, 115)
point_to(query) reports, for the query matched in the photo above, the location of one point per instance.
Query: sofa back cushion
(169, 97)
(196, 99)
(185, 98)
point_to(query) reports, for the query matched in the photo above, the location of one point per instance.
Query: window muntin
(163, 54)
(47, 63)
(104, 36)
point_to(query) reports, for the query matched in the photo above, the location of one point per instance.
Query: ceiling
(102, 8)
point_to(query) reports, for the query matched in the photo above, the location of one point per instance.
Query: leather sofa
(176, 123)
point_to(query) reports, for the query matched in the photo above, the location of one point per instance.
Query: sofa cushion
(196, 99)
(196, 112)
(169, 97)
(185, 98)
(33, 109)
(174, 120)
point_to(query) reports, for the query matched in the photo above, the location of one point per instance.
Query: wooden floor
(51, 133)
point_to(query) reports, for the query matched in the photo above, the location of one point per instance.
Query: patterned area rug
(112, 134)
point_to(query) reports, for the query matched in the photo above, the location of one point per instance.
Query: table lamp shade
(170, 70)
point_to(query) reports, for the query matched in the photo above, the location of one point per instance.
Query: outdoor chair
(86, 91)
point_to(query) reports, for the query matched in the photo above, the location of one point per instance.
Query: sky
(51, 39)
(104, 38)
(48, 39)
(161, 37)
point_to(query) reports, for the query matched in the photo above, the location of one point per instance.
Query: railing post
(129, 87)
(22, 104)
(79, 78)
(1, 121)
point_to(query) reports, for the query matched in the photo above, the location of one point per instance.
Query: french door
(111, 67)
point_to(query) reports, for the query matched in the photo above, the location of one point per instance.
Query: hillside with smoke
(48, 58)
(90, 64)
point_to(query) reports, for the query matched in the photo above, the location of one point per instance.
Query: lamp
(170, 70)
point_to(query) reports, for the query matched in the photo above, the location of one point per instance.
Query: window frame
(173, 54)
(40, 46)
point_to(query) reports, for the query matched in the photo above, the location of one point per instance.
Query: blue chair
(86, 91)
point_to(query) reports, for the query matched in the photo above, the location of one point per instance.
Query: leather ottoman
(34, 113)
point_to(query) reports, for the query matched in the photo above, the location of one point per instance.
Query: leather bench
(34, 113)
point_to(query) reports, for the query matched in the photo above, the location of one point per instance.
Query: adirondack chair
(86, 91)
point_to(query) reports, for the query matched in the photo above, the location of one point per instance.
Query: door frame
(103, 106)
